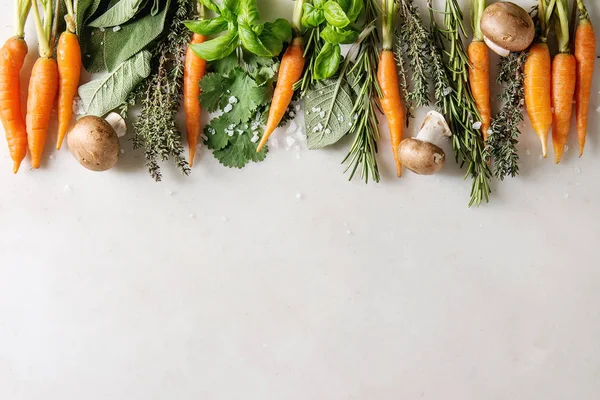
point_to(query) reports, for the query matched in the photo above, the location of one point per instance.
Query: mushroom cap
(421, 157)
(94, 143)
(508, 26)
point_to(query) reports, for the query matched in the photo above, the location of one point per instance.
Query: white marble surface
(225, 286)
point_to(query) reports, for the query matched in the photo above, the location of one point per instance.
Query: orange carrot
(290, 72)
(585, 54)
(479, 71)
(12, 57)
(194, 70)
(564, 77)
(43, 86)
(479, 78)
(387, 76)
(538, 92)
(69, 71)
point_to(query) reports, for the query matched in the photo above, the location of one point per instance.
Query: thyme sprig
(505, 131)
(454, 99)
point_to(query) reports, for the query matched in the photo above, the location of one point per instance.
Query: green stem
(387, 29)
(43, 29)
(583, 12)
(297, 17)
(562, 25)
(22, 11)
(201, 11)
(478, 8)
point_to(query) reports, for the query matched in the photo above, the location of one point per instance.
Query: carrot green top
(478, 7)
(21, 12)
(297, 17)
(388, 11)
(583, 12)
(561, 14)
(70, 17)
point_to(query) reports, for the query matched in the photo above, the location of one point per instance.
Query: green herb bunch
(454, 99)
(505, 131)
(241, 20)
(155, 129)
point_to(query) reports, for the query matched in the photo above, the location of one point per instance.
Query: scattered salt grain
(298, 196)
(328, 131)
(566, 195)
(192, 216)
(490, 131)
(116, 28)
(224, 219)
(447, 91)
(122, 151)
(240, 131)
(340, 118)
(101, 30)
(291, 128)
(477, 125)
(578, 170)
(292, 114)
(527, 152)
(229, 133)
(227, 108)
(598, 109)
(297, 107)
(51, 157)
(67, 189)
(289, 142)
(233, 100)
(355, 117)
(316, 109)
(169, 192)
(254, 139)
(203, 136)
(274, 143)
(348, 232)
(211, 130)
(322, 114)
(246, 126)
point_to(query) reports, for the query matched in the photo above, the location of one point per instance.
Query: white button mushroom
(507, 27)
(94, 143)
(422, 154)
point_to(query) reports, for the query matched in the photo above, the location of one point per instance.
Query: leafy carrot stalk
(479, 69)
(69, 71)
(290, 72)
(193, 71)
(387, 76)
(564, 78)
(538, 82)
(43, 85)
(12, 57)
(585, 54)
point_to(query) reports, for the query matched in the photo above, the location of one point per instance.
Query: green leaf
(207, 26)
(352, 8)
(319, 3)
(312, 16)
(85, 9)
(248, 12)
(328, 61)
(240, 151)
(335, 35)
(266, 44)
(226, 65)
(103, 95)
(216, 137)
(211, 5)
(281, 28)
(107, 49)
(213, 85)
(119, 14)
(335, 15)
(217, 48)
(261, 69)
(327, 112)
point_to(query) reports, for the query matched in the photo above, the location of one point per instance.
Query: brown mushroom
(94, 143)
(507, 27)
(421, 154)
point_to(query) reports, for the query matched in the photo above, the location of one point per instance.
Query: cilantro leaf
(240, 151)
(217, 138)
(213, 86)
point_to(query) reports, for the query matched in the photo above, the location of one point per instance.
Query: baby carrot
(387, 76)
(12, 57)
(585, 54)
(290, 72)
(479, 70)
(69, 71)
(564, 78)
(43, 86)
(538, 82)
(194, 70)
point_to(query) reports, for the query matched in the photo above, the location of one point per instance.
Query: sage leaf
(335, 15)
(211, 5)
(207, 26)
(106, 93)
(119, 14)
(327, 111)
(328, 61)
(106, 49)
(85, 9)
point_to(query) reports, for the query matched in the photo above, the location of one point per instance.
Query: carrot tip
(16, 166)
(192, 155)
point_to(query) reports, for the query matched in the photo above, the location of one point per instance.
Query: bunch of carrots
(49, 77)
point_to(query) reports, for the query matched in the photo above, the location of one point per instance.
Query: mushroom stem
(502, 52)
(434, 129)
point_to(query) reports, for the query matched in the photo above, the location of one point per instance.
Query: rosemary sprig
(505, 132)
(412, 40)
(155, 129)
(454, 99)
(365, 127)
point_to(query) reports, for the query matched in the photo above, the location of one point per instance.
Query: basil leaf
(217, 48)
(335, 15)
(353, 12)
(104, 94)
(230, 9)
(280, 28)
(319, 3)
(328, 108)
(248, 12)
(265, 45)
(328, 61)
(312, 16)
(335, 35)
(119, 14)
(207, 26)
(211, 5)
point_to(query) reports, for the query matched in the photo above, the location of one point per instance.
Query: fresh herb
(108, 92)
(454, 99)
(505, 131)
(241, 20)
(365, 127)
(240, 89)
(412, 41)
(155, 129)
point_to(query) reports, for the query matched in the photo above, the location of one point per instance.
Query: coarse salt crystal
(228, 132)
(122, 151)
(328, 131)
(116, 28)
(232, 126)
(233, 100)
(566, 195)
(228, 108)
(224, 219)
(322, 114)
(527, 152)
(477, 125)
(292, 127)
(578, 170)
(298, 196)
(292, 114)
(447, 91)
(273, 142)
(254, 139)
(289, 141)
